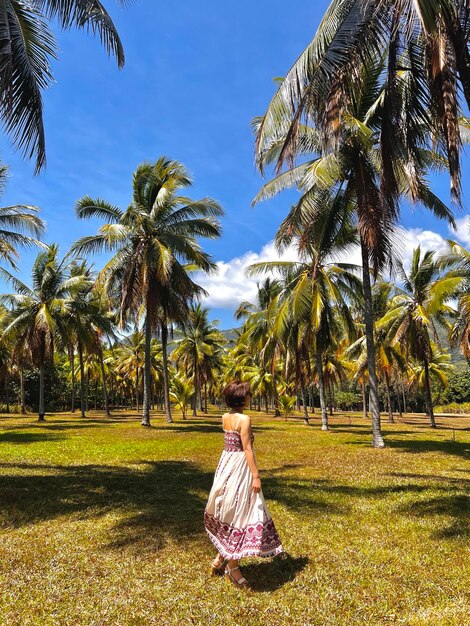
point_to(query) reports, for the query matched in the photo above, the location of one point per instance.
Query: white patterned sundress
(236, 519)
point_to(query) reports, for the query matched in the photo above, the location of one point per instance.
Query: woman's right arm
(245, 434)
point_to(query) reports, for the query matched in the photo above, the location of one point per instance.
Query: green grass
(101, 524)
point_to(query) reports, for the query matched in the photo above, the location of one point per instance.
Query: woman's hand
(256, 484)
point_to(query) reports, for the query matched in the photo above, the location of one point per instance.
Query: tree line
(370, 109)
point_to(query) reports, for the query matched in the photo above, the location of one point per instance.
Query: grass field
(101, 524)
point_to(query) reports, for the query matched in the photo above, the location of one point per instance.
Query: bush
(14, 408)
(454, 407)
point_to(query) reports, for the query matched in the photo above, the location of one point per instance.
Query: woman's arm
(245, 434)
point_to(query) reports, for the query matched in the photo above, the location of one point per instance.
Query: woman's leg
(235, 566)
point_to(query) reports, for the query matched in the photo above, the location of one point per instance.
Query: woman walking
(236, 518)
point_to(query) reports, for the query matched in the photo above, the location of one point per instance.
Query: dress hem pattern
(259, 539)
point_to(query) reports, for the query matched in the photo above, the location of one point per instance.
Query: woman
(236, 518)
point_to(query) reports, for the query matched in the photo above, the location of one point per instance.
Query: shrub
(454, 407)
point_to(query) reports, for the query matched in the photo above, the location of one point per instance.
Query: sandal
(219, 568)
(241, 582)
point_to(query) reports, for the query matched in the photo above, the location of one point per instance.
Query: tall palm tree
(152, 240)
(421, 42)
(38, 314)
(28, 46)
(416, 309)
(346, 128)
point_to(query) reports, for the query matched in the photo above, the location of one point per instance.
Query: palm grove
(371, 108)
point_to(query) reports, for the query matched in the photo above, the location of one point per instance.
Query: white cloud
(228, 286)
(462, 230)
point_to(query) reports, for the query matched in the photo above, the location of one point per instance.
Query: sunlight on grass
(102, 523)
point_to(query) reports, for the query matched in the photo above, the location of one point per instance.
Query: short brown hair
(235, 393)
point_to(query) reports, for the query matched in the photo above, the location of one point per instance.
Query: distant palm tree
(182, 391)
(202, 342)
(316, 290)
(152, 240)
(37, 319)
(28, 46)
(458, 259)
(415, 310)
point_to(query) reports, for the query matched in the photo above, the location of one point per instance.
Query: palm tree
(421, 42)
(439, 368)
(182, 392)
(415, 310)
(458, 259)
(130, 361)
(17, 223)
(258, 334)
(38, 314)
(316, 290)
(195, 352)
(347, 128)
(88, 321)
(151, 240)
(28, 46)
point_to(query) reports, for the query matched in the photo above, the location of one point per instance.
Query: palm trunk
(87, 390)
(427, 382)
(374, 406)
(277, 412)
(321, 390)
(391, 419)
(166, 375)
(82, 379)
(304, 405)
(205, 396)
(147, 372)
(137, 383)
(42, 360)
(103, 381)
(364, 401)
(404, 397)
(196, 391)
(22, 394)
(7, 391)
(72, 365)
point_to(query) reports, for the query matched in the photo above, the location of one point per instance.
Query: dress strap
(238, 422)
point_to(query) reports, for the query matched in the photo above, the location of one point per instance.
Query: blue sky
(196, 73)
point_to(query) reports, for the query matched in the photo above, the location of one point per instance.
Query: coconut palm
(458, 259)
(151, 241)
(182, 392)
(315, 289)
(416, 309)
(37, 319)
(195, 352)
(439, 368)
(28, 46)
(421, 42)
(346, 130)
(17, 224)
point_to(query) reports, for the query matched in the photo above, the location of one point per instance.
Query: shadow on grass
(273, 574)
(417, 446)
(157, 501)
(300, 495)
(11, 436)
(456, 506)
